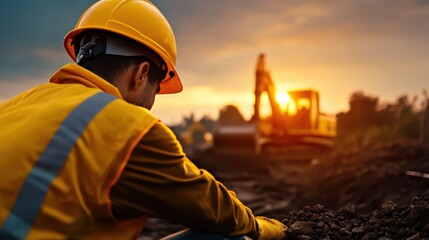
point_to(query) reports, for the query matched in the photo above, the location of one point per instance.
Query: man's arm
(160, 181)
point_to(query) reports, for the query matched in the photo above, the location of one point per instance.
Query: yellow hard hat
(139, 20)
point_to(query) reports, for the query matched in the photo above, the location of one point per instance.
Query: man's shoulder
(124, 120)
(161, 137)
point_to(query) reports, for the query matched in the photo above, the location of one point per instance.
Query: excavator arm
(264, 83)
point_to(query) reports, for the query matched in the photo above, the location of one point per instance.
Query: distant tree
(208, 123)
(362, 113)
(367, 120)
(230, 115)
(424, 126)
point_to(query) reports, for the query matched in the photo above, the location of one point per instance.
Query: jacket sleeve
(160, 181)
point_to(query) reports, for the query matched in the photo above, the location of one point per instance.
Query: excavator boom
(264, 84)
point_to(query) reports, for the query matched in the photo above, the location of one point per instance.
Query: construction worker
(83, 158)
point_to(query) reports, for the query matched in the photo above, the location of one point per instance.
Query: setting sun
(283, 99)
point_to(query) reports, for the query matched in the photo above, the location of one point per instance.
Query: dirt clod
(388, 222)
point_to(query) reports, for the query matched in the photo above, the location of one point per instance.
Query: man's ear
(141, 76)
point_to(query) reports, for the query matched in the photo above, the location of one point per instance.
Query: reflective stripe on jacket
(63, 146)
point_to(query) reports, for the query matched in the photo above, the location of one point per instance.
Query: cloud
(224, 28)
(51, 55)
(27, 62)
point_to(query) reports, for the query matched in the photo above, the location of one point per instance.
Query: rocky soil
(409, 222)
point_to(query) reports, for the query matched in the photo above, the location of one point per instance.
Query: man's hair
(109, 66)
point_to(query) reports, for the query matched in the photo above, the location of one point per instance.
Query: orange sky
(336, 47)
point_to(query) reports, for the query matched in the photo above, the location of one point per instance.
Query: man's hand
(270, 229)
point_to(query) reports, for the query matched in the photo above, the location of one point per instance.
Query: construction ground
(373, 192)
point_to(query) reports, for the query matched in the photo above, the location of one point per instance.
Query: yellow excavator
(300, 131)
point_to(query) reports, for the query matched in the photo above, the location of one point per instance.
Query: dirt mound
(366, 177)
(409, 222)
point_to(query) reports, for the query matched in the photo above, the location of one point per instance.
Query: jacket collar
(73, 73)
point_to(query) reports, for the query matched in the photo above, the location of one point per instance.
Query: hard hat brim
(171, 85)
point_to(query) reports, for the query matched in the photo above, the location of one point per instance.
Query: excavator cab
(303, 115)
(301, 111)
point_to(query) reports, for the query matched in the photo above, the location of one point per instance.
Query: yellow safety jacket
(63, 145)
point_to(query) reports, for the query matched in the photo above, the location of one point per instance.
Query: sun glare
(283, 99)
